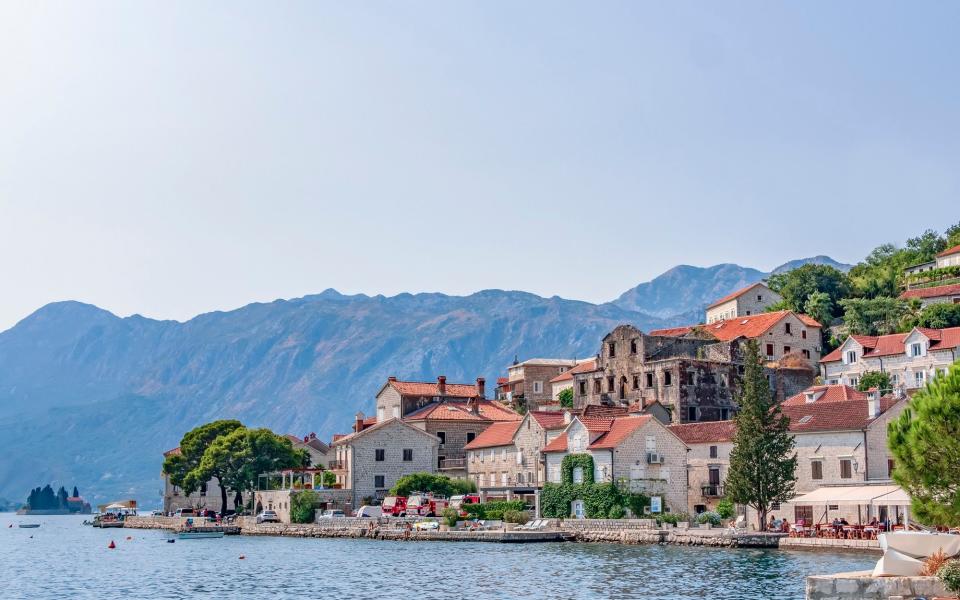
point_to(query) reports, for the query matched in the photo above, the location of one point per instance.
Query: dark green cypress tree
(762, 463)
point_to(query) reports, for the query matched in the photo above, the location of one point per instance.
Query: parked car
(332, 514)
(185, 512)
(426, 525)
(370, 511)
(268, 516)
(158, 513)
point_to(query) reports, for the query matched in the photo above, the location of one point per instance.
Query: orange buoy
(111, 545)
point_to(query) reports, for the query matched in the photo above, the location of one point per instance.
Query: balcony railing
(712, 490)
(453, 464)
(335, 464)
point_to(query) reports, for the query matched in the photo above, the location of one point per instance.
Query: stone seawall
(860, 585)
(678, 537)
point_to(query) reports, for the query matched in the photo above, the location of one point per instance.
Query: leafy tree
(939, 316)
(182, 467)
(874, 316)
(725, 509)
(566, 398)
(820, 306)
(303, 506)
(953, 235)
(797, 285)
(328, 479)
(874, 379)
(762, 463)
(926, 448)
(440, 485)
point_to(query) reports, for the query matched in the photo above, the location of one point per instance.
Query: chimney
(873, 403)
(358, 425)
(391, 379)
(442, 385)
(481, 387)
(566, 417)
(473, 405)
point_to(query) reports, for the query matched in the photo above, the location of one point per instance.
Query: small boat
(199, 535)
(28, 525)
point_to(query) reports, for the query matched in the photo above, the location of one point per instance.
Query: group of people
(780, 524)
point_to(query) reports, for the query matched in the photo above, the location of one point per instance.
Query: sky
(172, 158)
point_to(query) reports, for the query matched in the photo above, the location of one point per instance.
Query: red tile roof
(735, 294)
(674, 331)
(558, 444)
(888, 345)
(583, 367)
(705, 431)
(451, 410)
(549, 419)
(932, 292)
(431, 389)
(620, 429)
(844, 415)
(950, 251)
(752, 326)
(596, 424)
(827, 393)
(595, 410)
(172, 452)
(498, 434)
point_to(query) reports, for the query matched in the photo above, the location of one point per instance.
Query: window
(724, 414)
(803, 333)
(577, 443)
(774, 506)
(443, 437)
(537, 387)
(504, 478)
(633, 346)
(578, 474)
(649, 380)
(610, 383)
(916, 349)
(407, 454)
(596, 386)
(396, 412)
(378, 482)
(769, 349)
(583, 388)
(691, 378)
(691, 413)
(636, 382)
(713, 451)
(890, 466)
(854, 381)
(379, 454)
(503, 454)
(612, 349)
(381, 414)
(895, 379)
(786, 329)
(803, 513)
(846, 468)
(667, 378)
(759, 297)
(203, 488)
(851, 356)
(786, 349)
(806, 353)
(470, 436)
(472, 457)
(816, 469)
(492, 455)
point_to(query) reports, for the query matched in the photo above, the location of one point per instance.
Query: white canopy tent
(856, 495)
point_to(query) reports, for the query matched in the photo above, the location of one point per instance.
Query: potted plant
(450, 518)
(709, 519)
(949, 576)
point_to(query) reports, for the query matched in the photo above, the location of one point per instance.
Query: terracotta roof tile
(825, 394)
(950, 251)
(451, 410)
(498, 434)
(673, 331)
(172, 452)
(583, 367)
(705, 431)
(752, 326)
(932, 292)
(596, 424)
(557, 444)
(888, 345)
(735, 294)
(431, 389)
(841, 415)
(620, 429)
(549, 419)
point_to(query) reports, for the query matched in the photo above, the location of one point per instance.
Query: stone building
(319, 451)
(636, 451)
(687, 370)
(396, 399)
(708, 461)
(751, 300)
(564, 381)
(528, 382)
(840, 436)
(370, 462)
(949, 257)
(911, 359)
(506, 461)
(941, 294)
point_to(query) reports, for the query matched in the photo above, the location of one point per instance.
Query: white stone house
(708, 461)
(372, 460)
(637, 452)
(564, 381)
(949, 257)
(911, 359)
(751, 300)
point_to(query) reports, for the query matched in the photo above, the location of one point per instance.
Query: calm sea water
(66, 560)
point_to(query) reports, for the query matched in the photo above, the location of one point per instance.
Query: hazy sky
(171, 158)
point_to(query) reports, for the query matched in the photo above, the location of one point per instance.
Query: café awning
(854, 495)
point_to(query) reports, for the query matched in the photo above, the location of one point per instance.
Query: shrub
(494, 510)
(302, 506)
(674, 518)
(450, 516)
(515, 516)
(710, 517)
(616, 512)
(475, 511)
(949, 575)
(725, 509)
(555, 500)
(636, 503)
(933, 563)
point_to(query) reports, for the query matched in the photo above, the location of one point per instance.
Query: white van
(370, 511)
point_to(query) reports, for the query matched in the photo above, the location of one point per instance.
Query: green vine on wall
(572, 461)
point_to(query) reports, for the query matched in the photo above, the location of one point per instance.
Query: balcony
(712, 490)
(335, 465)
(452, 461)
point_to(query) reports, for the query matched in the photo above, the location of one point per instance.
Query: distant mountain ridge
(90, 397)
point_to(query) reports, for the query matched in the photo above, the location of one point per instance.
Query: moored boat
(198, 535)
(28, 525)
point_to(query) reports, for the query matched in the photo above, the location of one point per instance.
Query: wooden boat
(28, 525)
(199, 535)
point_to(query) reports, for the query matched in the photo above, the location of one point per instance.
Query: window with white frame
(578, 443)
(503, 453)
(537, 387)
(851, 356)
(578, 474)
(854, 381)
(916, 349)
(919, 377)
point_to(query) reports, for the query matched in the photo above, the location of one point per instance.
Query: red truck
(425, 505)
(457, 502)
(395, 506)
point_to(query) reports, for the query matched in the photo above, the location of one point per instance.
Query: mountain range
(91, 397)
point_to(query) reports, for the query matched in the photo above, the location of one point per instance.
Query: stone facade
(707, 466)
(374, 459)
(528, 382)
(913, 363)
(750, 300)
(451, 457)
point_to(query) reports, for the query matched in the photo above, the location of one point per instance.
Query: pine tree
(762, 463)
(925, 443)
(76, 492)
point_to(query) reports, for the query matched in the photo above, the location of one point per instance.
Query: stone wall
(699, 464)
(393, 439)
(878, 453)
(860, 585)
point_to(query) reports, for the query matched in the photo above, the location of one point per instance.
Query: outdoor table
(870, 532)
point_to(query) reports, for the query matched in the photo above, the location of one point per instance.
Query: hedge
(493, 510)
(600, 500)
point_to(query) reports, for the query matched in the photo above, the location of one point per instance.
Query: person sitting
(874, 522)
(843, 521)
(772, 524)
(785, 526)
